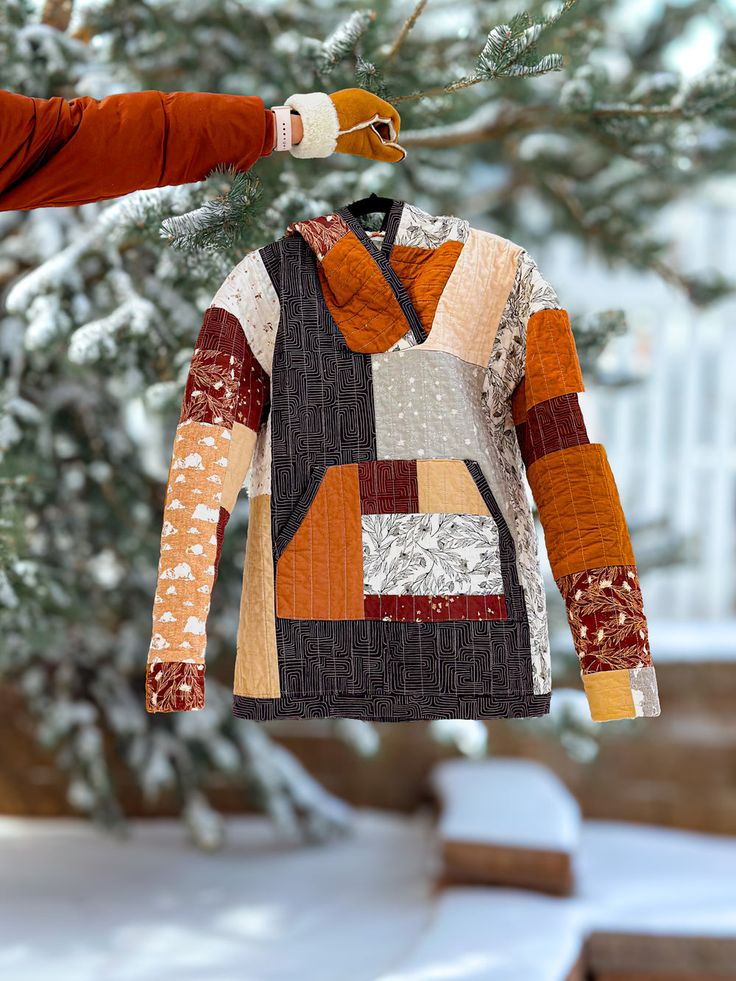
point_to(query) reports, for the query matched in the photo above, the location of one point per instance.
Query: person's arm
(585, 531)
(58, 152)
(226, 402)
(68, 152)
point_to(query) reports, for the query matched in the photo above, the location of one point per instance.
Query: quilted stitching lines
(404, 549)
(584, 526)
(211, 453)
(429, 554)
(607, 618)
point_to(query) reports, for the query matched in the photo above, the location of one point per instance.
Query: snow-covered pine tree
(571, 108)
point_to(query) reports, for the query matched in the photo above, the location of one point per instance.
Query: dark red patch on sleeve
(551, 425)
(253, 401)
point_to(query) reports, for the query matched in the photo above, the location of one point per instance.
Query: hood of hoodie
(378, 292)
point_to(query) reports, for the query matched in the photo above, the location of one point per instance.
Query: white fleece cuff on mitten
(320, 122)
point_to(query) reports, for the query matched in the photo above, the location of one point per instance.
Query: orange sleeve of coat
(56, 152)
(585, 530)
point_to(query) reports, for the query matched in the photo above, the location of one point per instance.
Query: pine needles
(220, 223)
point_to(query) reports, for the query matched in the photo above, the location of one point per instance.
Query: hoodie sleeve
(585, 531)
(56, 152)
(226, 402)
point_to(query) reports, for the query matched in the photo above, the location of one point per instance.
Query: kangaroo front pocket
(395, 539)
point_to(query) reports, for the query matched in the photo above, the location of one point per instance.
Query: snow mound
(506, 801)
(496, 935)
(506, 822)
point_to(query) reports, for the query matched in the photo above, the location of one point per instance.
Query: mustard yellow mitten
(347, 121)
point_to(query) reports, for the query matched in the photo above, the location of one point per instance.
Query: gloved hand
(347, 121)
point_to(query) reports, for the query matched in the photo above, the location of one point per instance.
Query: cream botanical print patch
(425, 554)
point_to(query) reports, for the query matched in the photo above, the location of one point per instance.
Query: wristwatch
(282, 126)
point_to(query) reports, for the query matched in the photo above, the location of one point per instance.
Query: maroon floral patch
(253, 394)
(606, 615)
(320, 233)
(399, 606)
(174, 686)
(211, 392)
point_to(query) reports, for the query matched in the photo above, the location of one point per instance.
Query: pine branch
(715, 90)
(344, 40)
(510, 51)
(491, 121)
(369, 76)
(220, 223)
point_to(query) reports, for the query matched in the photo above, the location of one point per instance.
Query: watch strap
(282, 126)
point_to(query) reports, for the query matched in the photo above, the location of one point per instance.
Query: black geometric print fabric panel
(371, 657)
(321, 392)
(392, 708)
(322, 413)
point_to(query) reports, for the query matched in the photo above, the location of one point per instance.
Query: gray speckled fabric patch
(644, 690)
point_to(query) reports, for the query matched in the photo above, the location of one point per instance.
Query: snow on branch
(294, 799)
(344, 39)
(491, 120)
(506, 53)
(220, 222)
(99, 338)
(510, 51)
(104, 232)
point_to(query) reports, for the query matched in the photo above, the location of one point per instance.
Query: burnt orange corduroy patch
(424, 273)
(518, 403)
(319, 575)
(580, 510)
(552, 366)
(359, 297)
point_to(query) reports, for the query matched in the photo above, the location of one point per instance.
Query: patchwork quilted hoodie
(386, 402)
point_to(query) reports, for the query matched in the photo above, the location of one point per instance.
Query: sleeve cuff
(174, 686)
(320, 122)
(625, 693)
(605, 611)
(269, 134)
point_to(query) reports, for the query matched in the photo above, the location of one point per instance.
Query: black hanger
(370, 205)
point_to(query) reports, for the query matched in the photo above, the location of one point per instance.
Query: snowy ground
(76, 905)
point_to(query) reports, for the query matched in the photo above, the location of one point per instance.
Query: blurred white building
(671, 439)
